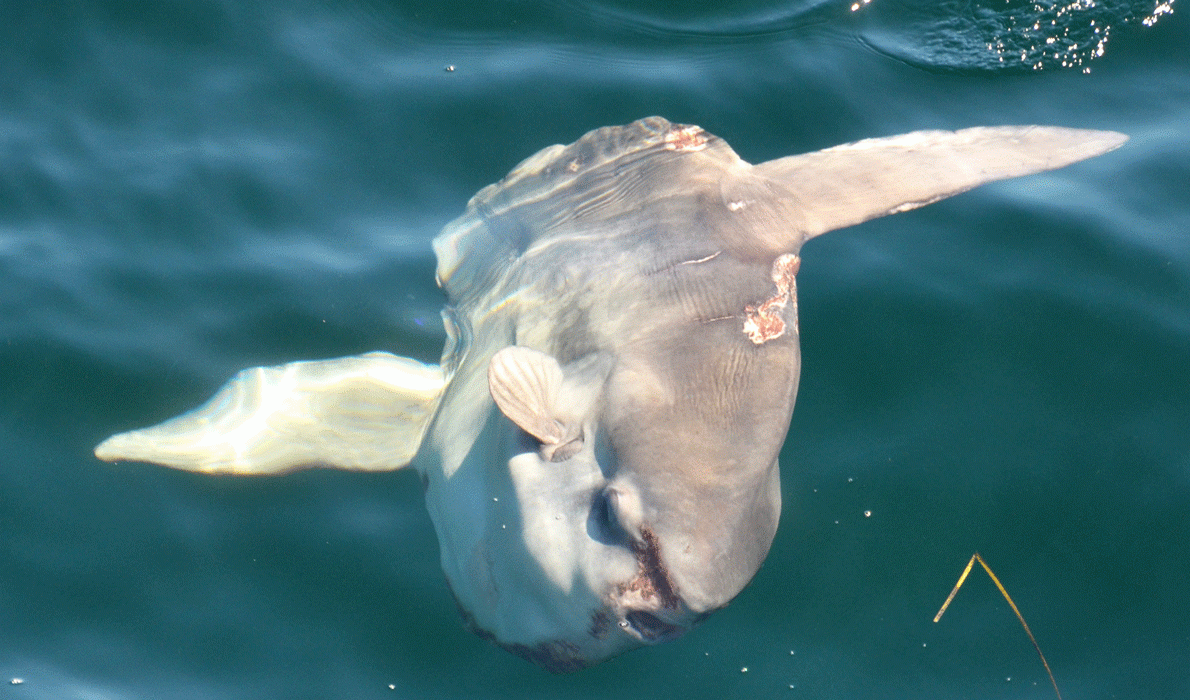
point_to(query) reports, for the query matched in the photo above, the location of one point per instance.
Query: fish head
(647, 492)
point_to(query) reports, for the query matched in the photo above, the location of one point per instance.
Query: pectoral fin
(368, 413)
(525, 384)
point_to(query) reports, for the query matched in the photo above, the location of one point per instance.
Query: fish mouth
(651, 628)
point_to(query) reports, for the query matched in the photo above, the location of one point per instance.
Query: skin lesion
(652, 579)
(764, 322)
(686, 138)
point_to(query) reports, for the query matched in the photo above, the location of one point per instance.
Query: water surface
(191, 188)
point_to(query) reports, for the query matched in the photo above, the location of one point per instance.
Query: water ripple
(1003, 35)
(727, 22)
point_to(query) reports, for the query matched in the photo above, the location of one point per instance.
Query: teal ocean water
(191, 188)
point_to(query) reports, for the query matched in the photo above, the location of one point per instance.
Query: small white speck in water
(392, 686)
(867, 513)
(16, 681)
(744, 669)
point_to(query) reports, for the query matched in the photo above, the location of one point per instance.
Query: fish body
(599, 441)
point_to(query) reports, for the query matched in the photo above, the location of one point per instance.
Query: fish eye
(602, 524)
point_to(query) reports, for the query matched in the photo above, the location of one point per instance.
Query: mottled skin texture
(599, 445)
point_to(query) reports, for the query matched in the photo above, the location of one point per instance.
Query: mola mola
(599, 443)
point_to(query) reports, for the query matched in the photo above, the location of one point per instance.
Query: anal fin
(368, 413)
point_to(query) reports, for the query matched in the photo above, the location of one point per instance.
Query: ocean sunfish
(599, 442)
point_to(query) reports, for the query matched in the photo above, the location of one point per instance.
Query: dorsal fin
(852, 183)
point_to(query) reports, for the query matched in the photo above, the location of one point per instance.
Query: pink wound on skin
(764, 322)
(686, 138)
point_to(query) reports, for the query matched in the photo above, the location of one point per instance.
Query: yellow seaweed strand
(955, 590)
(976, 558)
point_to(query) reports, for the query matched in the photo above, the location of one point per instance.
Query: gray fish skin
(599, 444)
